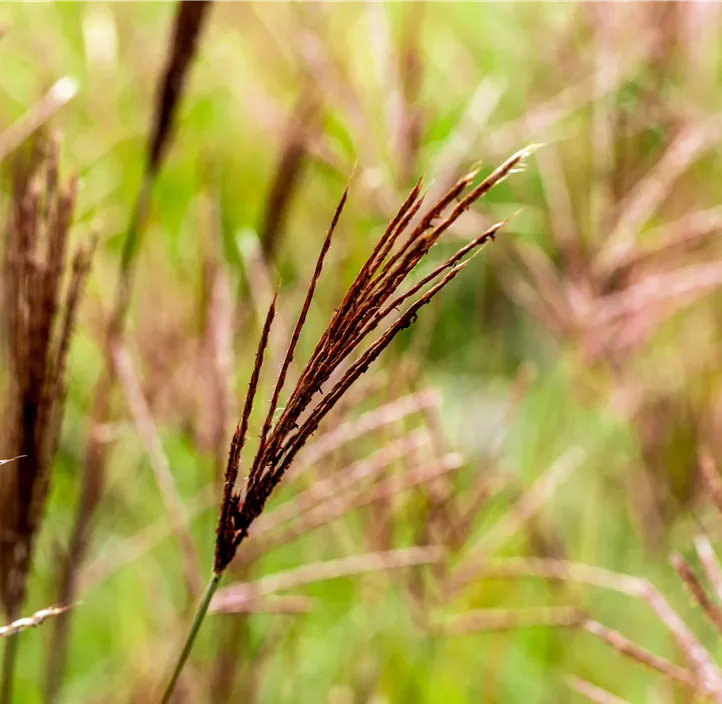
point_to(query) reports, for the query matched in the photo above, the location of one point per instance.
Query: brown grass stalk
(371, 297)
(706, 672)
(711, 478)
(287, 178)
(371, 421)
(174, 508)
(650, 192)
(263, 539)
(188, 25)
(672, 289)
(347, 483)
(592, 692)
(481, 620)
(666, 243)
(538, 120)
(635, 652)
(710, 563)
(266, 604)
(189, 22)
(697, 591)
(40, 312)
(91, 491)
(217, 361)
(235, 597)
(118, 554)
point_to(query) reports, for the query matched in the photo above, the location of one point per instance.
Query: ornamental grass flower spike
(373, 298)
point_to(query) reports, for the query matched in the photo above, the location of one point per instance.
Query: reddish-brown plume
(373, 297)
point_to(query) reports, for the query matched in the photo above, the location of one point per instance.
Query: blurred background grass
(550, 340)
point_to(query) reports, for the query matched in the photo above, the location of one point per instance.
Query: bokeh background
(590, 332)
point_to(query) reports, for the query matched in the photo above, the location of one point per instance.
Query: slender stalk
(9, 660)
(192, 633)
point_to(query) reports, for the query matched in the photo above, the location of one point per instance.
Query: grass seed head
(372, 298)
